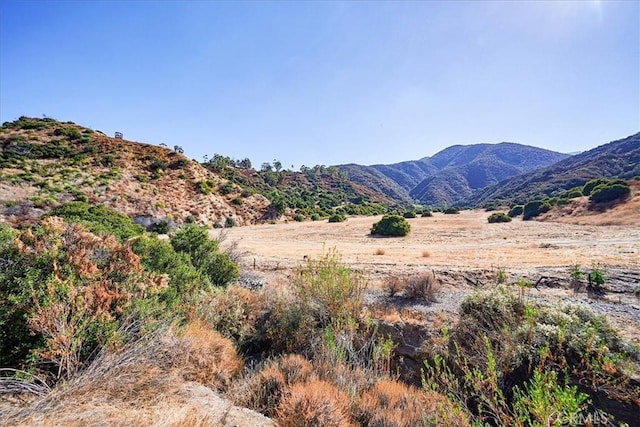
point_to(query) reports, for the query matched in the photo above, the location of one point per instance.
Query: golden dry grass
(314, 404)
(145, 383)
(207, 357)
(390, 403)
(580, 212)
(464, 241)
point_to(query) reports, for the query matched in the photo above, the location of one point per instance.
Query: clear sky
(327, 82)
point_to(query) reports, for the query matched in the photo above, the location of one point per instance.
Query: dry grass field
(466, 240)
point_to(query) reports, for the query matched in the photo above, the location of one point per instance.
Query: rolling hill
(44, 163)
(617, 159)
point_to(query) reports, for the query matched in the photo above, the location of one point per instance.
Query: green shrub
(179, 164)
(161, 228)
(227, 188)
(159, 256)
(607, 193)
(498, 217)
(501, 340)
(576, 277)
(203, 187)
(515, 211)
(391, 225)
(65, 293)
(427, 214)
(30, 123)
(574, 193)
(71, 133)
(409, 214)
(107, 160)
(597, 278)
(98, 219)
(451, 210)
(204, 254)
(315, 217)
(157, 165)
(591, 184)
(330, 290)
(545, 401)
(535, 208)
(337, 217)
(298, 217)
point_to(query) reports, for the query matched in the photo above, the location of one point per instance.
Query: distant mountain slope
(466, 169)
(407, 174)
(617, 159)
(372, 178)
(452, 174)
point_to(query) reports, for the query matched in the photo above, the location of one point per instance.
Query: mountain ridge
(452, 174)
(616, 159)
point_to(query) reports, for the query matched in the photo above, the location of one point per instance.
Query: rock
(151, 223)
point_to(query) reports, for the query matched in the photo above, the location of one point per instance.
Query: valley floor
(465, 252)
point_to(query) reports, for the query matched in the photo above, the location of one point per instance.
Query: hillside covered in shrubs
(310, 194)
(616, 160)
(44, 163)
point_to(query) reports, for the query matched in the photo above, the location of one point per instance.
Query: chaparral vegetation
(145, 302)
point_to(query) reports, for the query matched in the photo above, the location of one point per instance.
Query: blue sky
(327, 82)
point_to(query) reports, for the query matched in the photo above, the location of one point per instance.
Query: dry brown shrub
(390, 403)
(263, 390)
(93, 281)
(426, 254)
(424, 286)
(314, 404)
(392, 286)
(351, 378)
(394, 314)
(234, 312)
(260, 392)
(295, 368)
(379, 251)
(207, 357)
